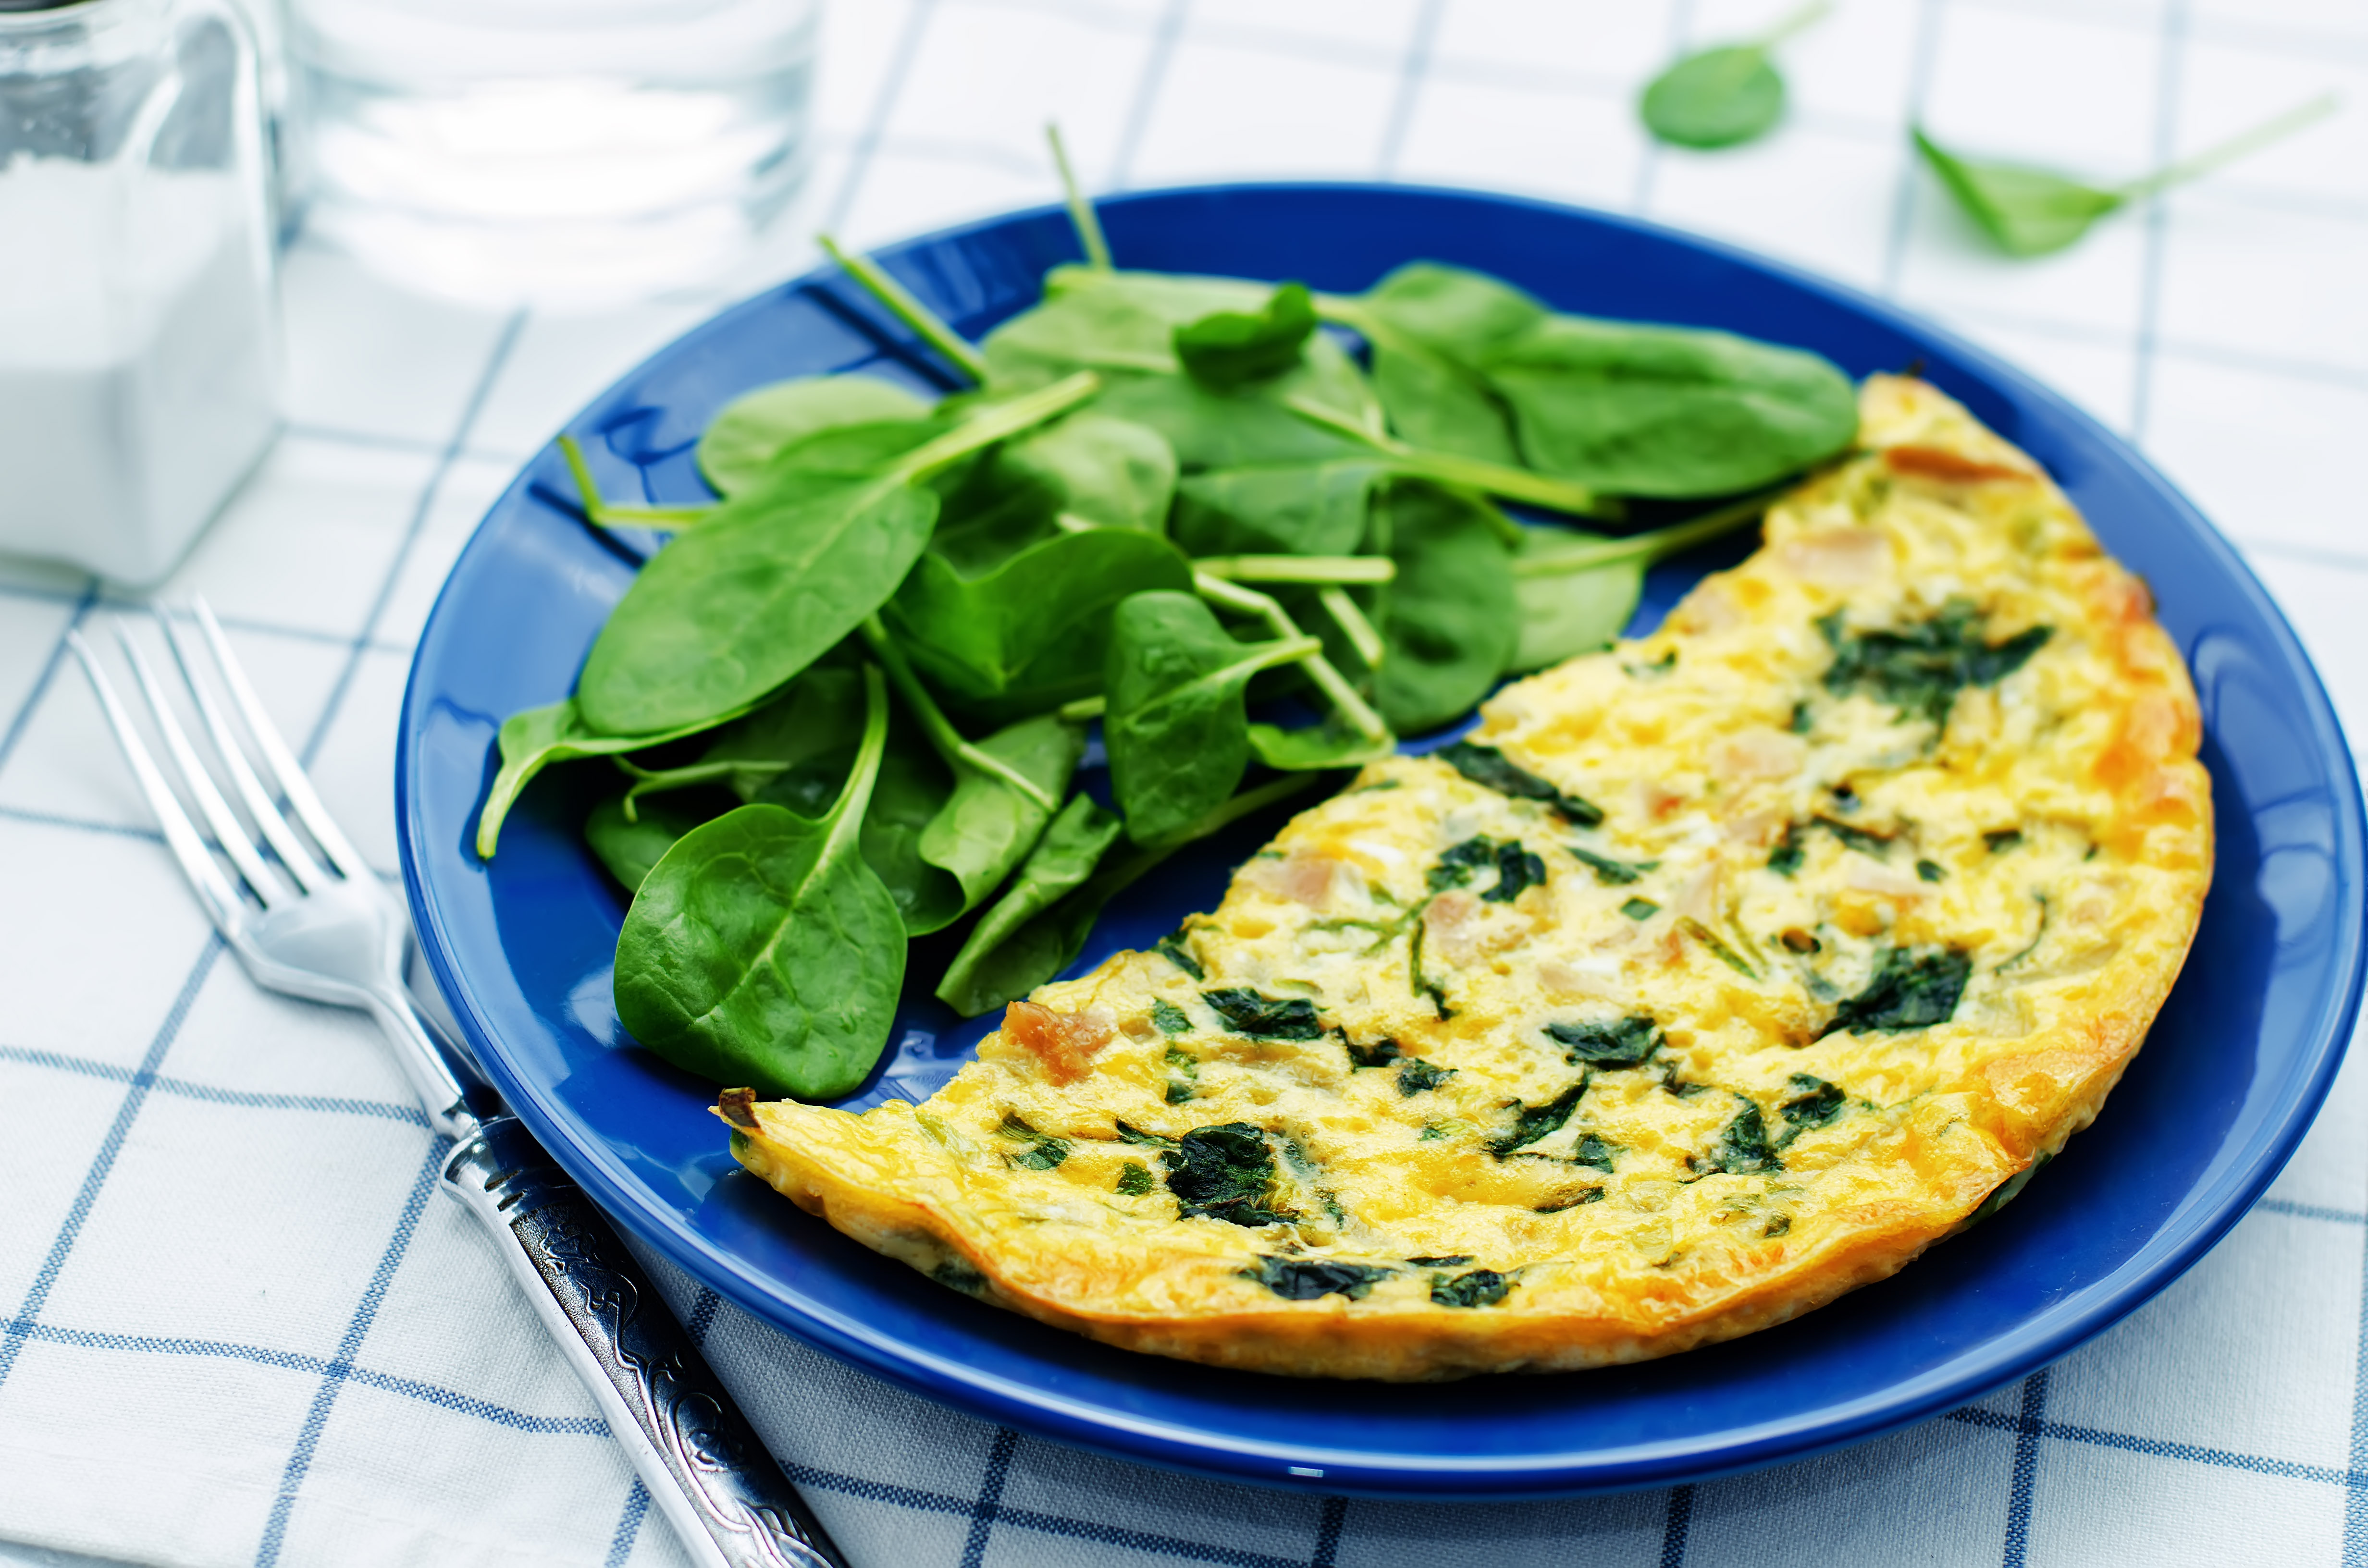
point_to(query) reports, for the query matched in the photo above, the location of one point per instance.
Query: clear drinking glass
(548, 150)
(139, 357)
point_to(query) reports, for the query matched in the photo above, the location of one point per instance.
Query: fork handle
(703, 1465)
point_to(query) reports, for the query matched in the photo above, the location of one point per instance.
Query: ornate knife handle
(704, 1467)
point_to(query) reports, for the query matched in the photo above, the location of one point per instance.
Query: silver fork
(315, 922)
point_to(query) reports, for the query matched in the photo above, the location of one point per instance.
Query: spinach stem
(1299, 568)
(1070, 523)
(1657, 545)
(1472, 473)
(1353, 625)
(994, 423)
(1799, 21)
(1321, 670)
(947, 740)
(1081, 211)
(2242, 145)
(1084, 709)
(907, 309)
(845, 818)
(602, 514)
(654, 782)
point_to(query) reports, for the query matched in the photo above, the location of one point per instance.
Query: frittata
(1712, 976)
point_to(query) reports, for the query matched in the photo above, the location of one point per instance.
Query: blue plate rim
(2211, 1211)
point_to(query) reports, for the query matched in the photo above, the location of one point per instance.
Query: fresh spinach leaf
(1426, 325)
(1920, 668)
(792, 751)
(1624, 1043)
(1480, 1287)
(1316, 748)
(987, 826)
(630, 848)
(532, 741)
(1564, 614)
(1298, 508)
(1451, 620)
(2030, 211)
(755, 427)
(1723, 96)
(1028, 937)
(1911, 990)
(1304, 1280)
(1229, 349)
(1259, 1017)
(763, 950)
(1492, 769)
(1532, 1122)
(1224, 1173)
(1112, 473)
(1633, 409)
(1742, 1148)
(1176, 727)
(911, 790)
(1415, 1076)
(1032, 632)
(1169, 1018)
(755, 592)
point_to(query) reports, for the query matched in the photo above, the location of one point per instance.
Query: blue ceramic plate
(2231, 1077)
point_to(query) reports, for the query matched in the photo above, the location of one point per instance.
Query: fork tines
(205, 662)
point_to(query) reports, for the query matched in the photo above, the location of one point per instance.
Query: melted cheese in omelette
(1721, 973)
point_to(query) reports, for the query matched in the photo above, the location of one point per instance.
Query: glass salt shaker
(139, 354)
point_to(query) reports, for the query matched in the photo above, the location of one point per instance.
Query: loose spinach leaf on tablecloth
(2031, 211)
(1176, 725)
(1032, 630)
(531, 741)
(1226, 350)
(1031, 933)
(763, 950)
(1726, 96)
(755, 592)
(755, 427)
(1451, 619)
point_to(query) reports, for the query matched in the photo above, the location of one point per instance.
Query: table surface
(2224, 330)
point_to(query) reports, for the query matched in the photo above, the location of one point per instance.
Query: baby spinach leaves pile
(847, 703)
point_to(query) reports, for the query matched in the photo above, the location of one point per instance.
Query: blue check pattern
(236, 1330)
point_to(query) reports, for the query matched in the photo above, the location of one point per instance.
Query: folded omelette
(1712, 976)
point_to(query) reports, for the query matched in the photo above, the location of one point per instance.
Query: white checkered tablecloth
(199, 1366)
